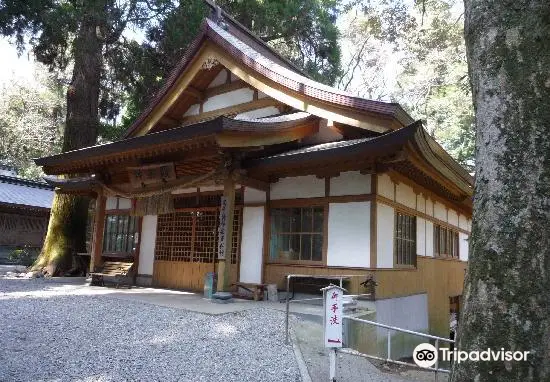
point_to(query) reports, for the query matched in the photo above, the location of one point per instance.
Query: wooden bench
(116, 269)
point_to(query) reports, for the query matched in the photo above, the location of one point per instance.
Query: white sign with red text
(333, 296)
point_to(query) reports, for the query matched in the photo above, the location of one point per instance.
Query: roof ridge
(24, 182)
(215, 8)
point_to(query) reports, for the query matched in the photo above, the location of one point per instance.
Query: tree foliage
(414, 55)
(31, 121)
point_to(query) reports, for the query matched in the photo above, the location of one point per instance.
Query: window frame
(275, 205)
(396, 239)
(136, 228)
(451, 240)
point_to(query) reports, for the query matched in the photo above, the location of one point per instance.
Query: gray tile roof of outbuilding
(25, 192)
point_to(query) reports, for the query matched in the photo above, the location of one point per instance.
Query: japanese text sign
(333, 297)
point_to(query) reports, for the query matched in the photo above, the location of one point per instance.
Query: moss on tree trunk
(507, 288)
(66, 233)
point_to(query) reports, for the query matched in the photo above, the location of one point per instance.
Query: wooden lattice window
(193, 236)
(121, 233)
(445, 242)
(405, 239)
(297, 234)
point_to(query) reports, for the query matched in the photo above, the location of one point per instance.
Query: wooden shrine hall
(244, 166)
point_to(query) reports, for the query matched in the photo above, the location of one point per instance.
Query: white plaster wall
(420, 203)
(463, 246)
(384, 230)
(228, 99)
(251, 195)
(452, 217)
(429, 239)
(220, 79)
(405, 195)
(349, 234)
(462, 222)
(147, 244)
(350, 183)
(259, 113)
(123, 204)
(385, 186)
(252, 245)
(111, 203)
(184, 191)
(420, 236)
(298, 187)
(261, 95)
(193, 110)
(429, 207)
(440, 212)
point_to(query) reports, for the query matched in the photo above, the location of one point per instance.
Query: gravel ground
(49, 337)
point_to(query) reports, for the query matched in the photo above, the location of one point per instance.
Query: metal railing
(388, 358)
(288, 301)
(389, 328)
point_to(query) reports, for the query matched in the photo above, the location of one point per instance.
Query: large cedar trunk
(67, 227)
(507, 288)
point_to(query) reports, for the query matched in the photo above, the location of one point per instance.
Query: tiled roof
(25, 192)
(264, 60)
(323, 147)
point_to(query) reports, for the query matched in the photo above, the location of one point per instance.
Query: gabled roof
(16, 191)
(247, 49)
(223, 131)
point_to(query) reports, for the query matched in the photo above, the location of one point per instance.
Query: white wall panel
(440, 212)
(251, 195)
(220, 79)
(405, 195)
(384, 241)
(350, 183)
(452, 217)
(349, 234)
(385, 186)
(192, 110)
(429, 239)
(420, 236)
(252, 245)
(298, 187)
(235, 97)
(147, 244)
(463, 246)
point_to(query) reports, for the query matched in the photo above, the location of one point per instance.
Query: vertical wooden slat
(99, 226)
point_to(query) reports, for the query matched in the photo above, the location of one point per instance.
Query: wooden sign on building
(151, 174)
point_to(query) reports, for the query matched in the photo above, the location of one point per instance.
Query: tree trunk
(67, 227)
(507, 288)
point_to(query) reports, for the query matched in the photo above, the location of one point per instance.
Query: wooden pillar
(226, 233)
(99, 227)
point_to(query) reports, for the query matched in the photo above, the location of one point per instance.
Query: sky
(13, 67)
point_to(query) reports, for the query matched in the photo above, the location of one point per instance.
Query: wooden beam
(253, 183)
(99, 227)
(230, 110)
(226, 234)
(194, 92)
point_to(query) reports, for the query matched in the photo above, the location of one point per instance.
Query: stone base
(144, 280)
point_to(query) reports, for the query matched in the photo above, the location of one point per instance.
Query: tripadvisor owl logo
(425, 355)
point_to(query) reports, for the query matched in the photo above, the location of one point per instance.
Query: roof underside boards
(250, 52)
(15, 191)
(218, 132)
